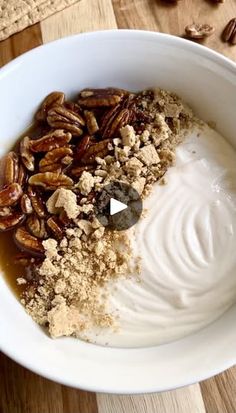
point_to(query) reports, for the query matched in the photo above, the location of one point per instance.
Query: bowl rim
(188, 46)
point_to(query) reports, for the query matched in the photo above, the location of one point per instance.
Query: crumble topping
(63, 199)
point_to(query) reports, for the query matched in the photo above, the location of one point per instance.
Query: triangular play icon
(116, 206)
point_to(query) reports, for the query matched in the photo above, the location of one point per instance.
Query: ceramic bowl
(132, 60)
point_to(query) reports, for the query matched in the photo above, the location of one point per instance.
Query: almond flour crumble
(109, 135)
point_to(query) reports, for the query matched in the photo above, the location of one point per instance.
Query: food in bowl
(81, 277)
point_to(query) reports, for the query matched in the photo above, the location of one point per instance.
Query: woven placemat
(16, 15)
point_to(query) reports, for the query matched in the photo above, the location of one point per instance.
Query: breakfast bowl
(132, 60)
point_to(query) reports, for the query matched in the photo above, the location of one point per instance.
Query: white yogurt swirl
(187, 243)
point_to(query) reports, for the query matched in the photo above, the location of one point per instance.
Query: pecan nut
(27, 242)
(55, 139)
(22, 175)
(55, 226)
(91, 122)
(37, 202)
(113, 121)
(26, 155)
(56, 168)
(64, 220)
(53, 99)
(51, 180)
(82, 147)
(26, 204)
(11, 168)
(53, 159)
(25, 259)
(99, 149)
(95, 98)
(10, 221)
(199, 31)
(37, 227)
(60, 117)
(229, 32)
(10, 194)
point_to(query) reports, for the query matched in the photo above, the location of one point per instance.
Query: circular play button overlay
(119, 206)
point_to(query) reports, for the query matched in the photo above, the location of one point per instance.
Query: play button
(116, 206)
(119, 206)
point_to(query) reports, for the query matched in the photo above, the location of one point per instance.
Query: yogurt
(187, 243)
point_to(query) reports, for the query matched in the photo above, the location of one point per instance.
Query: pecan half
(11, 168)
(10, 194)
(37, 227)
(113, 121)
(25, 259)
(27, 242)
(26, 155)
(64, 220)
(37, 202)
(51, 180)
(10, 221)
(55, 98)
(53, 159)
(26, 205)
(99, 149)
(199, 31)
(91, 122)
(229, 33)
(55, 139)
(82, 147)
(60, 117)
(94, 98)
(55, 226)
(22, 175)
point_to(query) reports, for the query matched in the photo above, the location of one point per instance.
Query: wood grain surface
(24, 392)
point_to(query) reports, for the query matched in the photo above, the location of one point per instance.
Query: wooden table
(24, 392)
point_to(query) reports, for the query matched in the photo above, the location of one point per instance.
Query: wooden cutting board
(24, 392)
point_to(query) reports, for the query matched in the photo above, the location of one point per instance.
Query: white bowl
(133, 60)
